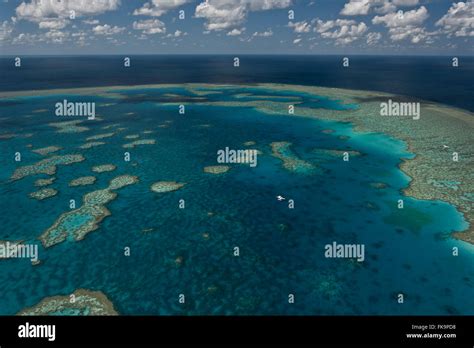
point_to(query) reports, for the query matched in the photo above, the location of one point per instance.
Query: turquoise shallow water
(281, 250)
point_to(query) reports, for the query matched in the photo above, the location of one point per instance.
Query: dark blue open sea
(430, 78)
(281, 250)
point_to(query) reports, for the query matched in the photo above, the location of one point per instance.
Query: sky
(392, 27)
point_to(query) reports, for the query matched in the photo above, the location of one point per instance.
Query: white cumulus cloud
(414, 34)
(363, 7)
(236, 32)
(459, 20)
(26, 38)
(107, 30)
(6, 29)
(401, 19)
(300, 27)
(406, 25)
(56, 36)
(177, 33)
(156, 8)
(90, 21)
(405, 2)
(341, 30)
(226, 14)
(42, 10)
(266, 33)
(356, 7)
(150, 26)
(373, 38)
(54, 23)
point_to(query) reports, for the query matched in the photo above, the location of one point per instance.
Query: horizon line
(233, 54)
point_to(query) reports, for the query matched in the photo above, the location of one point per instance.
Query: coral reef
(104, 168)
(91, 144)
(282, 150)
(83, 180)
(80, 302)
(44, 182)
(166, 186)
(46, 166)
(216, 169)
(139, 142)
(77, 223)
(47, 150)
(44, 193)
(69, 126)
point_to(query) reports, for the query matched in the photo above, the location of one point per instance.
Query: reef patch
(86, 302)
(166, 186)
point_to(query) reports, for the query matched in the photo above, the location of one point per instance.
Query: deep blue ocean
(430, 78)
(281, 250)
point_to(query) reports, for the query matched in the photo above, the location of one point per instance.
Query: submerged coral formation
(44, 182)
(80, 302)
(100, 136)
(336, 153)
(44, 193)
(122, 181)
(91, 144)
(378, 185)
(139, 142)
(69, 126)
(83, 180)
(282, 150)
(77, 223)
(324, 155)
(7, 136)
(166, 186)
(47, 150)
(46, 166)
(216, 169)
(104, 168)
